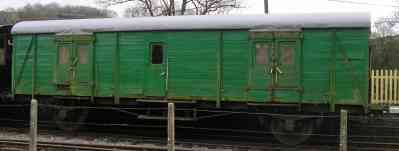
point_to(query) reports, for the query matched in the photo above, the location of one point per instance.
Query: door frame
(275, 36)
(297, 58)
(74, 40)
(161, 69)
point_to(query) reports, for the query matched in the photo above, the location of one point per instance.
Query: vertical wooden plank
(343, 141)
(34, 65)
(386, 87)
(372, 86)
(33, 126)
(382, 82)
(377, 86)
(116, 75)
(395, 86)
(219, 71)
(390, 88)
(171, 127)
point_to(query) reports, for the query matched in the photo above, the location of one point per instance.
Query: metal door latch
(279, 70)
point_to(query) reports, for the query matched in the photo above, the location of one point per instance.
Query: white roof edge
(211, 22)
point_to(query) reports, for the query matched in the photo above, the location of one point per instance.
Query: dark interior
(5, 61)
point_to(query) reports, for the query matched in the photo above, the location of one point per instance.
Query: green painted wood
(204, 65)
(235, 65)
(74, 74)
(81, 69)
(262, 73)
(63, 73)
(219, 83)
(288, 70)
(192, 61)
(156, 73)
(132, 58)
(116, 71)
(34, 66)
(103, 64)
(23, 62)
(317, 47)
(46, 65)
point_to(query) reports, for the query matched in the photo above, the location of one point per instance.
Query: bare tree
(51, 11)
(174, 7)
(384, 44)
(203, 7)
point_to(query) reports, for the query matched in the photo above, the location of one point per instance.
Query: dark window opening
(157, 54)
(262, 51)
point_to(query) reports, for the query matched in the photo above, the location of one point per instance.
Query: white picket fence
(385, 87)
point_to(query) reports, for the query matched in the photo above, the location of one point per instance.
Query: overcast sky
(377, 8)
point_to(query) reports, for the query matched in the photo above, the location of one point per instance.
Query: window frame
(266, 57)
(78, 51)
(68, 47)
(151, 52)
(74, 41)
(283, 57)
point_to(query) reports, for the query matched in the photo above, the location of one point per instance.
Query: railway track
(190, 137)
(373, 146)
(21, 145)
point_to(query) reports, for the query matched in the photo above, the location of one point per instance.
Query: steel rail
(16, 145)
(373, 146)
(4, 144)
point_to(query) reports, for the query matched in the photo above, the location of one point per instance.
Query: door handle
(162, 74)
(75, 62)
(279, 70)
(270, 71)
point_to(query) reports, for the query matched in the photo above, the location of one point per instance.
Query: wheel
(291, 131)
(70, 119)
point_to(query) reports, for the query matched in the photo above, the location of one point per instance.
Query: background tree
(51, 11)
(174, 7)
(384, 43)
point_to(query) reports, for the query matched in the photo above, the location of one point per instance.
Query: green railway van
(279, 63)
(250, 59)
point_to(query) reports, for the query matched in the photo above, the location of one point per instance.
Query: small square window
(156, 54)
(83, 54)
(63, 55)
(288, 55)
(262, 51)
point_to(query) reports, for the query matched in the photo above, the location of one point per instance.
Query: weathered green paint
(62, 70)
(104, 71)
(74, 76)
(333, 69)
(219, 83)
(276, 79)
(34, 66)
(81, 76)
(23, 65)
(262, 74)
(331, 66)
(286, 75)
(116, 71)
(236, 65)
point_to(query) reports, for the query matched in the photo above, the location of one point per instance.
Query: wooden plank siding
(385, 87)
(204, 66)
